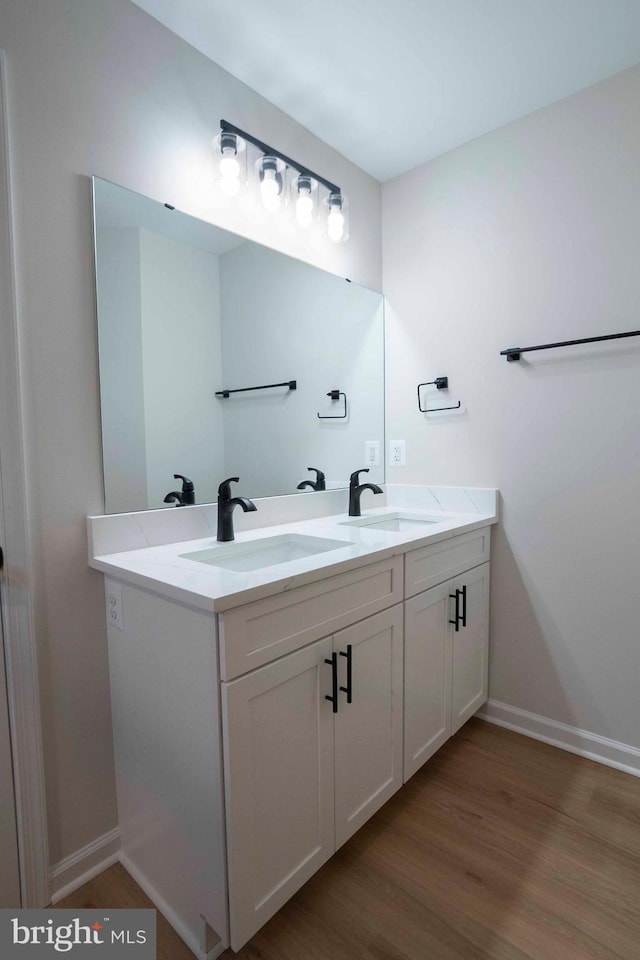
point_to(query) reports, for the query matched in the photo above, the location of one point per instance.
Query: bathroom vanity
(268, 694)
(263, 711)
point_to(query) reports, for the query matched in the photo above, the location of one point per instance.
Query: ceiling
(391, 84)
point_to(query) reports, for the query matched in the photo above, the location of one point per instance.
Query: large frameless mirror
(220, 357)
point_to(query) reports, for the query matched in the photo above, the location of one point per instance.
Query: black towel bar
(291, 384)
(513, 353)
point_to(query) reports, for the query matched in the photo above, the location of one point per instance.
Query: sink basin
(396, 522)
(257, 554)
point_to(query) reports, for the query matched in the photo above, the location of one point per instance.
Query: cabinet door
(278, 746)
(368, 731)
(470, 646)
(427, 682)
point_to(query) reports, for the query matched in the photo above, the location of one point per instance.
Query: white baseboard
(71, 873)
(161, 904)
(622, 756)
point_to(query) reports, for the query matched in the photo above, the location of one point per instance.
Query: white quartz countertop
(163, 570)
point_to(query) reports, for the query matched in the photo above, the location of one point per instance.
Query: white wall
(524, 236)
(181, 367)
(159, 340)
(101, 88)
(120, 339)
(326, 334)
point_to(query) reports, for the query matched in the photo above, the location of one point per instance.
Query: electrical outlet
(397, 453)
(372, 453)
(114, 604)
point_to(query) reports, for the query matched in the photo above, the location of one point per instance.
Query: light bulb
(270, 189)
(229, 166)
(304, 208)
(231, 160)
(335, 225)
(229, 174)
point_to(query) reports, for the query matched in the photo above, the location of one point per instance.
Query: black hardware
(335, 395)
(513, 353)
(440, 383)
(333, 663)
(356, 489)
(185, 498)
(349, 687)
(292, 384)
(464, 605)
(226, 127)
(456, 596)
(169, 206)
(317, 484)
(1, 559)
(225, 509)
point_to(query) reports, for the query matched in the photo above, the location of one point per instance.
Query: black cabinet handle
(333, 663)
(348, 689)
(456, 596)
(464, 605)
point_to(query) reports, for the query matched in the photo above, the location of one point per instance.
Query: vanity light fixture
(231, 164)
(271, 173)
(278, 182)
(304, 190)
(337, 228)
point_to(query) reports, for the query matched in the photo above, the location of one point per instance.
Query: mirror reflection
(220, 357)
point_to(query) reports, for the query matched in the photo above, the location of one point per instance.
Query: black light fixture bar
(513, 353)
(226, 127)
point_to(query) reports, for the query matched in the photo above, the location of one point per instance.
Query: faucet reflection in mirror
(185, 497)
(276, 184)
(318, 484)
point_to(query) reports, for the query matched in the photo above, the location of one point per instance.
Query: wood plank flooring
(500, 848)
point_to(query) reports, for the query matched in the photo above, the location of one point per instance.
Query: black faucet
(355, 491)
(185, 498)
(226, 503)
(317, 484)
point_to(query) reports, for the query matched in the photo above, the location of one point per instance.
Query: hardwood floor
(500, 848)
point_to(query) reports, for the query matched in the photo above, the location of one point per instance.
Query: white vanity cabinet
(470, 647)
(446, 642)
(279, 783)
(303, 772)
(236, 779)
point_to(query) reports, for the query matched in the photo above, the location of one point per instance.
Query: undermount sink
(257, 554)
(396, 522)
